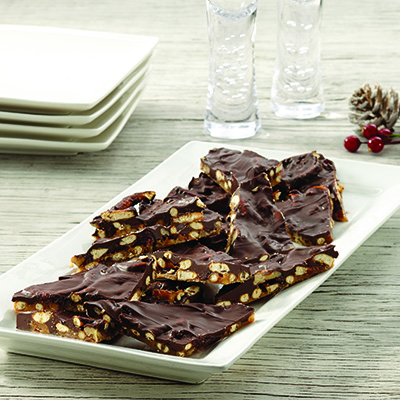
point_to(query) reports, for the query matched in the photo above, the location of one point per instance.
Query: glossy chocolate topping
(299, 169)
(308, 216)
(212, 195)
(175, 325)
(118, 282)
(259, 224)
(278, 272)
(235, 165)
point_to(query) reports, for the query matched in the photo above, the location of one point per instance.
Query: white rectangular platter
(371, 196)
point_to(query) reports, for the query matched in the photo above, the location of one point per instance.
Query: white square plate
(53, 117)
(371, 196)
(65, 132)
(65, 69)
(100, 142)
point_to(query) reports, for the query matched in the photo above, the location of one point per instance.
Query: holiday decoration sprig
(374, 111)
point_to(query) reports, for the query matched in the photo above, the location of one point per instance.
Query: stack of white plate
(66, 91)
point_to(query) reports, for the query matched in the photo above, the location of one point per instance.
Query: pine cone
(374, 106)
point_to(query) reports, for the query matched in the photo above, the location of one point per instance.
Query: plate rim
(149, 43)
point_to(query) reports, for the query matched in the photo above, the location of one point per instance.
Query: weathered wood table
(343, 341)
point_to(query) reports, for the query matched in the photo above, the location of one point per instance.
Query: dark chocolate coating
(327, 177)
(307, 170)
(299, 169)
(274, 273)
(259, 224)
(175, 325)
(211, 194)
(118, 282)
(308, 216)
(135, 203)
(237, 166)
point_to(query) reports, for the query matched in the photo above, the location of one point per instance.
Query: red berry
(370, 130)
(385, 133)
(352, 143)
(375, 144)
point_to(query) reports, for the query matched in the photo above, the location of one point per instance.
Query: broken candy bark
(117, 223)
(278, 272)
(67, 324)
(176, 329)
(174, 292)
(327, 178)
(203, 187)
(198, 263)
(211, 194)
(308, 216)
(146, 240)
(305, 171)
(257, 227)
(294, 172)
(229, 167)
(122, 281)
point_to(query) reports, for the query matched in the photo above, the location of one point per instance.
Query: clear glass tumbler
(232, 104)
(297, 90)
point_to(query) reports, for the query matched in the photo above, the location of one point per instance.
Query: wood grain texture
(343, 341)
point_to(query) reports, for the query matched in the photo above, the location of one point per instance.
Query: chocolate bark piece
(277, 273)
(217, 242)
(107, 224)
(211, 194)
(308, 216)
(294, 172)
(121, 281)
(176, 329)
(203, 187)
(198, 263)
(68, 325)
(117, 223)
(257, 227)
(327, 177)
(146, 240)
(174, 292)
(215, 198)
(304, 171)
(228, 168)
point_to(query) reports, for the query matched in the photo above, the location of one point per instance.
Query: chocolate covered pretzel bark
(209, 192)
(228, 168)
(68, 325)
(121, 281)
(257, 227)
(293, 172)
(308, 216)
(176, 329)
(119, 222)
(147, 240)
(301, 172)
(327, 177)
(277, 273)
(198, 263)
